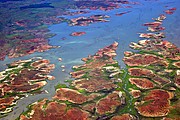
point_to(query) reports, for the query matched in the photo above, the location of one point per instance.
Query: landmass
(170, 11)
(22, 78)
(77, 33)
(94, 94)
(85, 21)
(147, 89)
(154, 76)
(24, 25)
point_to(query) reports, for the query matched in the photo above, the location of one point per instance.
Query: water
(122, 29)
(42, 5)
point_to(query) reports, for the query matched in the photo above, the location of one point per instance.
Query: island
(24, 25)
(77, 33)
(22, 78)
(148, 88)
(85, 21)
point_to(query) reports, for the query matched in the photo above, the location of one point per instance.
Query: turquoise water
(122, 29)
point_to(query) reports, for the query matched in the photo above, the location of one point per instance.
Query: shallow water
(122, 29)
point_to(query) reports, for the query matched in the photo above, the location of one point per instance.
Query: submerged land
(148, 87)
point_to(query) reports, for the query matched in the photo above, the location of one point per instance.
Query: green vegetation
(35, 91)
(150, 52)
(126, 85)
(14, 72)
(175, 111)
(86, 75)
(45, 105)
(3, 115)
(60, 86)
(29, 109)
(82, 91)
(114, 65)
(78, 69)
(68, 81)
(28, 65)
(89, 61)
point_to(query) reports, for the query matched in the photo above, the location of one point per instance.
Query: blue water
(9, 0)
(42, 5)
(122, 29)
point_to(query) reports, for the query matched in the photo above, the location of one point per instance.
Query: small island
(77, 33)
(85, 21)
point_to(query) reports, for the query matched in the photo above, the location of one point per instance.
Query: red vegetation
(160, 18)
(77, 74)
(162, 47)
(55, 111)
(128, 53)
(95, 82)
(177, 81)
(89, 107)
(75, 13)
(108, 104)
(153, 24)
(154, 69)
(105, 5)
(156, 108)
(152, 35)
(108, 51)
(142, 60)
(126, 116)
(157, 94)
(156, 29)
(140, 72)
(4, 102)
(170, 11)
(77, 33)
(142, 83)
(73, 96)
(135, 93)
(70, 95)
(84, 21)
(24, 79)
(94, 85)
(89, 79)
(40, 63)
(39, 45)
(160, 80)
(156, 103)
(177, 64)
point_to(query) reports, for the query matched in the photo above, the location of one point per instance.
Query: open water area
(122, 29)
